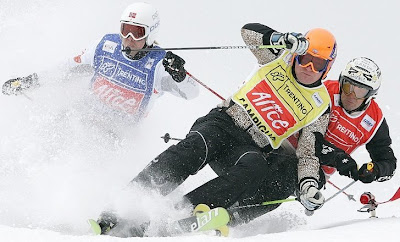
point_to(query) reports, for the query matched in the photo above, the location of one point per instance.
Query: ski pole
(251, 47)
(349, 196)
(167, 138)
(340, 191)
(279, 201)
(28, 97)
(264, 203)
(370, 168)
(204, 85)
(310, 213)
(233, 209)
(128, 50)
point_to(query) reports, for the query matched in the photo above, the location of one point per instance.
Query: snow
(57, 169)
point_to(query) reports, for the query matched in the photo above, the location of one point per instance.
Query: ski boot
(106, 222)
(109, 224)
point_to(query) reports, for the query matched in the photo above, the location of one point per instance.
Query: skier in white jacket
(125, 80)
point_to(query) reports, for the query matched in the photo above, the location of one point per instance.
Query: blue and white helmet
(145, 15)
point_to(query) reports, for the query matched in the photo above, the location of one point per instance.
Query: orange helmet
(322, 45)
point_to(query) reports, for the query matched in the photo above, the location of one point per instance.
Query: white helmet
(363, 72)
(145, 15)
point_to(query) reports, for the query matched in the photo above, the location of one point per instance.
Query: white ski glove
(311, 198)
(17, 85)
(296, 42)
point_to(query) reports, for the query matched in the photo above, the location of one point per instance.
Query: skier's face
(133, 36)
(349, 100)
(306, 75)
(133, 44)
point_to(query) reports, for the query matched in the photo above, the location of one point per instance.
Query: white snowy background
(57, 169)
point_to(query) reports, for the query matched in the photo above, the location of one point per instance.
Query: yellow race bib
(277, 104)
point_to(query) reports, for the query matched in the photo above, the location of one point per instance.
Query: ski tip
(201, 208)
(94, 226)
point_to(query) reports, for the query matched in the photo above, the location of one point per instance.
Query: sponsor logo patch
(123, 74)
(107, 68)
(367, 123)
(317, 99)
(109, 46)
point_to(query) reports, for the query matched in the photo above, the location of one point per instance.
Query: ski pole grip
(370, 166)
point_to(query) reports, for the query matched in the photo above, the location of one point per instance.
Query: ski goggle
(317, 64)
(135, 31)
(348, 87)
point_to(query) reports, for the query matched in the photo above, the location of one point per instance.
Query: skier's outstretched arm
(80, 64)
(173, 78)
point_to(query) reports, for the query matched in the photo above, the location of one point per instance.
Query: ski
(215, 219)
(204, 219)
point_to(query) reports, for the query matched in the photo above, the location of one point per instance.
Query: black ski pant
(246, 173)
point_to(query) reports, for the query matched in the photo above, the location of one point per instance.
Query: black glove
(347, 166)
(296, 42)
(174, 65)
(367, 175)
(332, 156)
(17, 85)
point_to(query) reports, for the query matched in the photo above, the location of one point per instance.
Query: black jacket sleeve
(381, 153)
